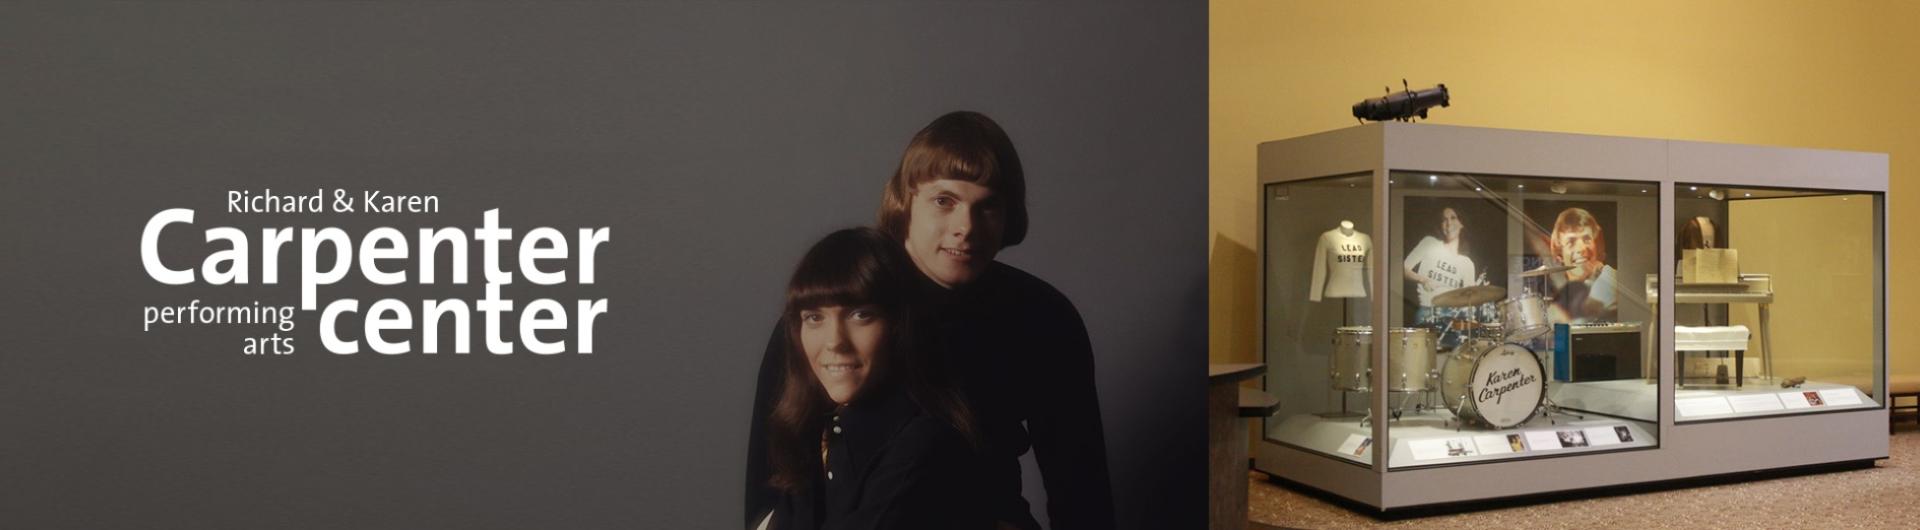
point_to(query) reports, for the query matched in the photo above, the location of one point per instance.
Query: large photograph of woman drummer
(1451, 243)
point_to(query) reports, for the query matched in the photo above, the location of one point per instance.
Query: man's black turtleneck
(1020, 353)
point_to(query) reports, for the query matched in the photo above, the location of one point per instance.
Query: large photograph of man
(1452, 243)
(1577, 234)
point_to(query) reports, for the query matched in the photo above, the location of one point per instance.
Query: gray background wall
(716, 140)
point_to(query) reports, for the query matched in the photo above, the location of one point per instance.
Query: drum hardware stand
(1455, 420)
(1397, 411)
(1392, 415)
(1433, 389)
(1548, 408)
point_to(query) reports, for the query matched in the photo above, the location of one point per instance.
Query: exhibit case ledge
(1457, 314)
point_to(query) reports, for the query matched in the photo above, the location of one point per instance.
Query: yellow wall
(1828, 75)
(1822, 274)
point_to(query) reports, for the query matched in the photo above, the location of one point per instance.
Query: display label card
(1499, 444)
(1755, 402)
(1571, 438)
(1800, 400)
(1623, 433)
(1356, 445)
(1598, 436)
(1437, 448)
(1706, 406)
(1542, 440)
(1840, 396)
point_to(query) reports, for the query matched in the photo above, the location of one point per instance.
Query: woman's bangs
(831, 284)
(826, 295)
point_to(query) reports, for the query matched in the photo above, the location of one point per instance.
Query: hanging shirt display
(1340, 267)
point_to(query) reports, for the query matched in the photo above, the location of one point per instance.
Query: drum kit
(1492, 378)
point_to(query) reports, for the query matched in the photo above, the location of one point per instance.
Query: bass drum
(1493, 384)
(1456, 369)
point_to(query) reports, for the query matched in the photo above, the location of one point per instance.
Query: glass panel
(1315, 263)
(1775, 310)
(1519, 317)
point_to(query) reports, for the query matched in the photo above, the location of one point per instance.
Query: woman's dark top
(1020, 352)
(889, 465)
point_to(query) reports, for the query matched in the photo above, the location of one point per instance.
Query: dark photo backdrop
(715, 140)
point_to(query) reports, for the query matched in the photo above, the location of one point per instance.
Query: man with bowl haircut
(1587, 293)
(1017, 345)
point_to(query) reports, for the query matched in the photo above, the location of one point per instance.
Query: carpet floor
(1884, 496)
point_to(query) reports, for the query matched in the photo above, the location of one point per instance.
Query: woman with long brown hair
(865, 432)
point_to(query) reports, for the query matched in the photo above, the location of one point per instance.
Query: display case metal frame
(1684, 450)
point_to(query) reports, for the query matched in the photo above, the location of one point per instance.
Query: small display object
(1507, 296)
(1597, 351)
(1709, 266)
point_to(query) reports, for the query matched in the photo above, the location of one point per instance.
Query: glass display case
(1774, 301)
(1515, 315)
(1452, 314)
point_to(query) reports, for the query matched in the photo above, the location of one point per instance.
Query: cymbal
(1470, 296)
(1545, 270)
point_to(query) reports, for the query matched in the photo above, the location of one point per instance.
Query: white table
(1753, 289)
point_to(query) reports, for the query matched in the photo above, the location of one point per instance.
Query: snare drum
(1499, 385)
(1493, 331)
(1409, 358)
(1525, 317)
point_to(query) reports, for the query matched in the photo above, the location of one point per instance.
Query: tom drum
(1410, 353)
